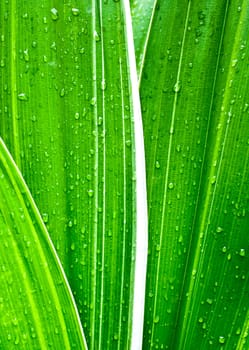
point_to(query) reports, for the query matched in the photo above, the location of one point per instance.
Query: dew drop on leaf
(156, 319)
(90, 193)
(75, 11)
(22, 96)
(45, 217)
(222, 339)
(242, 252)
(171, 185)
(177, 87)
(54, 14)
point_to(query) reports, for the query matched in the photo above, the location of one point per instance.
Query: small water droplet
(156, 319)
(45, 217)
(222, 339)
(77, 116)
(70, 223)
(213, 180)
(238, 331)
(62, 92)
(54, 14)
(93, 101)
(178, 148)
(128, 143)
(96, 36)
(26, 55)
(157, 164)
(177, 87)
(209, 301)
(90, 193)
(219, 229)
(22, 96)
(72, 246)
(103, 84)
(75, 11)
(171, 185)
(242, 252)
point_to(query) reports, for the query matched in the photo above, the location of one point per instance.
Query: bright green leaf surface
(194, 92)
(37, 309)
(142, 19)
(67, 114)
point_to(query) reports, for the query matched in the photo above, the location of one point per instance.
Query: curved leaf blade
(37, 307)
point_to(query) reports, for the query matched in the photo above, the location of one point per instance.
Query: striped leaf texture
(68, 108)
(37, 307)
(194, 92)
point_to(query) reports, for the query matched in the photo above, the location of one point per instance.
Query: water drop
(77, 116)
(213, 180)
(171, 185)
(238, 331)
(177, 87)
(96, 36)
(22, 96)
(242, 252)
(156, 319)
(222, 339)
(157, 164)
(178, 148)
(72, 246)
(103, 84)
(128, 143)
(45, 218)
(90, 193)
(54, 14)
(93, 101)
(62, 92)
(75, 11)
(26, 55)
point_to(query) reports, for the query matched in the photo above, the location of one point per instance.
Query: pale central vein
(104, 180)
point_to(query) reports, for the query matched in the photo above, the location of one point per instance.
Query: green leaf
(71, 101)
(37, 307)
(142, 19)
(194, 92)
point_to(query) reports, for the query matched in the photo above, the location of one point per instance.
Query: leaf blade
(27, 266)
